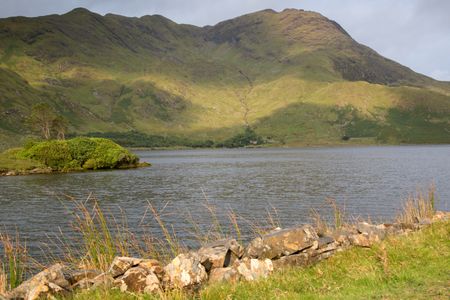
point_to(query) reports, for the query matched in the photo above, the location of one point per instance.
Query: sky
(415, 33)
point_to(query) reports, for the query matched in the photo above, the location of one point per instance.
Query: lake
(287, 183)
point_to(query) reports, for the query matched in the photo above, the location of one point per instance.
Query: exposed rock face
(185, 271)
(45, 284)
(282, 242)
(252, 269)
(220, 254)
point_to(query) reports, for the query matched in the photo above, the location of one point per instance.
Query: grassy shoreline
(414, 266)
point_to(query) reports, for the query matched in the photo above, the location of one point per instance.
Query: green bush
(80, 153)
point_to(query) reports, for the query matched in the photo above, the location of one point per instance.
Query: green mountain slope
(293, 76)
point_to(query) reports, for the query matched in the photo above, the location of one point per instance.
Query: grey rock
(363, 240)
(255, 248)
(229, 274)
(366, 228)
(154, 266)
(185, 271)
(325, 240)
(313, 252)
(282, 242)
(297, 260)
(75, 276)
(252, 269)
(50, 282)
(104, 280)
(122, 264)
(138, 280)
(220, 254)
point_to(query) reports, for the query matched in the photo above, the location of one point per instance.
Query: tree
(59, 126)
(41, 119)
(45, 120)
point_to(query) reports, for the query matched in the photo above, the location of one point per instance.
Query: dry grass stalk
(418, 207)
(337, 212)
(319, 223)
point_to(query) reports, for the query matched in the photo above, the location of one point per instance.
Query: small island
(72, 155)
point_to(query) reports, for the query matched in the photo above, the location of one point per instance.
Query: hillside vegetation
(293, 76)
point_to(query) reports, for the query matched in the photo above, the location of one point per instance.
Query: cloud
(413, 32)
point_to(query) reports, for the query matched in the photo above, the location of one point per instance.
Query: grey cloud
(415, 33)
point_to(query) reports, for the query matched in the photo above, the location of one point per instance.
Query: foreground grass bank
(76, 154)
(415, 266)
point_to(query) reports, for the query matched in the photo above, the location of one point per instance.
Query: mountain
(294, 76)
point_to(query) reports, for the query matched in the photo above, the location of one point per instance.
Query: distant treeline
(139, 139)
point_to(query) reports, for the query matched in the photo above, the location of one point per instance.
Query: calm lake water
(286, 182)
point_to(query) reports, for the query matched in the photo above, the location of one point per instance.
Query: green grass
(9, 160)
(402, 267)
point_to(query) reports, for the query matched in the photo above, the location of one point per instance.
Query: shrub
(80, 153)
(54, 154)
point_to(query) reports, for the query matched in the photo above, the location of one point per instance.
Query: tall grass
(418, 207)
(99, 236)
(13, 263)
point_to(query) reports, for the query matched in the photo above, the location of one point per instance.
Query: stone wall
(224, 260)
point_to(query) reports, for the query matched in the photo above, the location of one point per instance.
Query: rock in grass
(75, 276)
(122, 264)
(104, 280)
(252, 269)
(363, 240)
(185, 271)
(220, 254)
(46, 284)
(282, 242)
(342, 236)
(297, 260)
(366, 228)
(228, 274)
(153, 266)
(138, 280)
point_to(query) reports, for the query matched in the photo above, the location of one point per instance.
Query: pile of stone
(225, 260)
